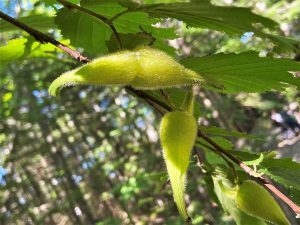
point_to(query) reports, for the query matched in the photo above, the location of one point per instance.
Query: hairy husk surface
(142, 68)
(256, 201)
(178, 133)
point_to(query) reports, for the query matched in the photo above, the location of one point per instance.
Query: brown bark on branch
(43, 38)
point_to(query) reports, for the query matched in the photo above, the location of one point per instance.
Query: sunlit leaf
(246, 72)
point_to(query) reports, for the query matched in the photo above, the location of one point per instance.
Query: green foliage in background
(92, 155)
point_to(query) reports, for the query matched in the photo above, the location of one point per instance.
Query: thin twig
(167, 98)
(115, 32)
(230, 165)
(143, 94)
(43, 38)
(153, 102)
(201, 159)
(85, 10)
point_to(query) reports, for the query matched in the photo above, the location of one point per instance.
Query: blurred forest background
(92, 155)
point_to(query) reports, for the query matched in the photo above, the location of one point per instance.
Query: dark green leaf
(283, 171)
(282, 43)
(217, 131)
(246, 72)
(127, 43)
(92, 34)
(232, 20)
(224, 143)
(131, 22)
(83, 30)
(295, 195)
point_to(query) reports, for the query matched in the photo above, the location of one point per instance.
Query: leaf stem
(119, 14)
(188, 103)
(103, 19)
(230, 165)
(70, 5)
(165, 95)
(145, 95)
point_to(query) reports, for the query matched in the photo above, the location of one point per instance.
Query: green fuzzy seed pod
(117, 69)
(142, 68)
(256, 201)
(178, 132)
(159, 70)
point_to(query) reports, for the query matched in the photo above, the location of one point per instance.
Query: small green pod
(116, 69)
(159, 70)
(142, 68)
(178, 132)
(256, 201)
